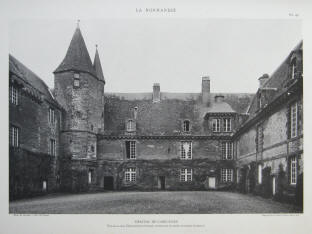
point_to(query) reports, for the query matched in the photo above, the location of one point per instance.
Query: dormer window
(130, 125)
(76, 80)
(293, 69)
(227, 124)
(216, 125)
(186, 125)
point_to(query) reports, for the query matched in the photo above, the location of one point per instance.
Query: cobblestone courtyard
(202, 202)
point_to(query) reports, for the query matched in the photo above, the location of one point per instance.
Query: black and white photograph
(156, 116)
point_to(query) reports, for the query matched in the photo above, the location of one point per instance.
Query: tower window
(76, 75)
(76, 80)
(131, 149)
(216, 125)
(186, 125)
(186, 150)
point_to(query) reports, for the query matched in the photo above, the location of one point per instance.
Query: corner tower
(79, 88)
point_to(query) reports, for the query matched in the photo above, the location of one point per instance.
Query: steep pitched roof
(97, 66)
(24, 73)
(77, 56)
(165, 116)
(275, 85)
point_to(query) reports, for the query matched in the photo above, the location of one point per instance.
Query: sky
(177, 53)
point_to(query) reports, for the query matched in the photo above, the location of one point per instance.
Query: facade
(93, 140)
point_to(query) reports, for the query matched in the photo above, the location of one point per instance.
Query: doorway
(162, 182)
(211, 182)
(273, 186)
(108, 182)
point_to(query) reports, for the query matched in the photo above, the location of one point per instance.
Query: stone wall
(84, 105)
(161, 149)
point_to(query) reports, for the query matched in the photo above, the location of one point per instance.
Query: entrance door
(109, 182)
(162, 182)
(273, 186)
(212, 182)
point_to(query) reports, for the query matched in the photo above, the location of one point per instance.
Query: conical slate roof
(77, 56)
(97, 66)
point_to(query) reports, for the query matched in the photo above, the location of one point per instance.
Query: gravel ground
(190, 202)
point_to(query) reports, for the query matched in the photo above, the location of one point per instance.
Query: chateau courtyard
(182, 202)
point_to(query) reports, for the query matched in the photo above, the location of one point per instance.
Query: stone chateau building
(80, 138)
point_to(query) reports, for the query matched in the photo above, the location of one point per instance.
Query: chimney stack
(156, 92)
(219, 98)
(262, 80)
(206, 90)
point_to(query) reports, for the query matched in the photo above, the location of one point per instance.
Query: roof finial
(78, 21)
(96, 46)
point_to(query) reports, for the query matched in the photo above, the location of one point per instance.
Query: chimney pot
(156, 92)
(263, 79)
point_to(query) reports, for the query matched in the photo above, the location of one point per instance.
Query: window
(185, 175)
(294, 119)
(14, 136)
(130, 125)
(52, 150)
(227, 150)
(186, 125)
(51, 116)
(76, 80)
(259, 174)
(131, 149)
(92, 148)
(130, 174)
(13, 95)
(293, 170)
(186, 150)
(293, 69)
(216, 125)
(227, 124)
(226, 175)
